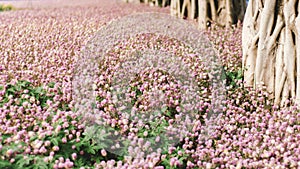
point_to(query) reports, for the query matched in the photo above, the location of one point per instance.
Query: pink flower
(47, 143)
(74, 156)
(9, 152)
(55, 148)
(12, 160)
(103, 152)
(64, 140)
(46, 159)
(61, 165)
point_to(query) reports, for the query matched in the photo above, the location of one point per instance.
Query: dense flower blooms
(39, 52)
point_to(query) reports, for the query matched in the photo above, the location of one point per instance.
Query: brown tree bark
(221, 12)
(161, 3)
(271, 48)
(175, 8)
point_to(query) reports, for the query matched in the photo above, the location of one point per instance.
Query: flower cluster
(39, 49)
(40, 127)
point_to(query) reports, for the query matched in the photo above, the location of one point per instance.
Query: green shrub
(4, 7)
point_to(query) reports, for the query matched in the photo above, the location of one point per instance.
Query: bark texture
(222, 12)
(161, 3)
(271, 48)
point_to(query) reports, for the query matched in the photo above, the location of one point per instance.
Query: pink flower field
(42, 46)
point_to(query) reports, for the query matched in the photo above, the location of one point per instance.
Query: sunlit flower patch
(40, 128)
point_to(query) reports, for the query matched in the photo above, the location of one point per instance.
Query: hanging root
(274, 59)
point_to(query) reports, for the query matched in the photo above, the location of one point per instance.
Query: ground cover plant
(6, 7)
(39, 127)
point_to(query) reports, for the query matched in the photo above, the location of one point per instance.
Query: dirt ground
(51, 3)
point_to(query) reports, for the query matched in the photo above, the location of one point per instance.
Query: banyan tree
(271, 48)
(221, 12)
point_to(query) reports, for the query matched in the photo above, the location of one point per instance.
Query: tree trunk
(186, 6)
(161, 3)
(271, 48)
(175, 8)
(222, 12)
(190, 7)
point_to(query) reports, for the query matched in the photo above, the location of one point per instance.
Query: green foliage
(39, 94)
(232, 77)
(31, 162)
(6, 7)
(182, 157)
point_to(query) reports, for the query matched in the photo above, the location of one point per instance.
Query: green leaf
(24, 84)
(98, 147)
(6, 164)
(12, 90)
(39, 90)
(51, 84)
(54, 141)
(79, 162)
(91, 150)
(24, 162)
(164, 109)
